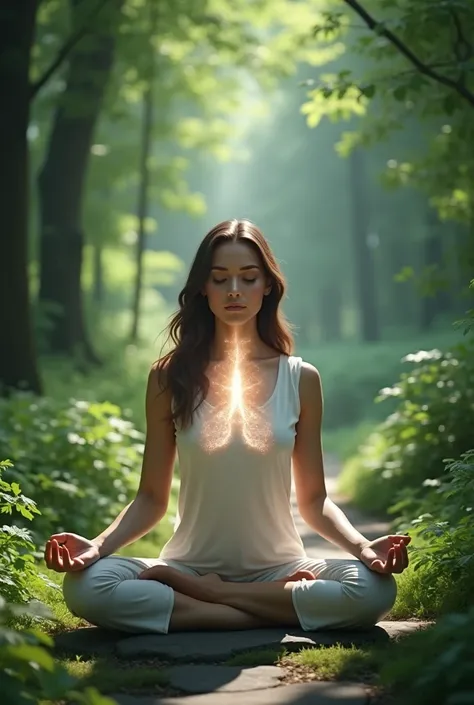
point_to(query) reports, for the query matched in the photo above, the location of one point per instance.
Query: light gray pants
(345, 594)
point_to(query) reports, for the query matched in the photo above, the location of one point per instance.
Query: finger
(60, 538)
(397, 566)
(57, 556)
(400, 538)
(390, 560)
(78, 564)
(378, 566)
(404, 553)
(68, 561)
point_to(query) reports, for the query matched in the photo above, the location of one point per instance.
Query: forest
(345, 131)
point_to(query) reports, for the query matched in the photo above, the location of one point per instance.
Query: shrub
(29, 671)
(16, 544)
(433, 421)
(445, 528)
(80, 461)
(434, 665)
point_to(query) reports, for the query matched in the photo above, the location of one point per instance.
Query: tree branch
(423, 68)
(462, 48)
(65, 50)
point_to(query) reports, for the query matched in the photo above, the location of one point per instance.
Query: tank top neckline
(272, 395)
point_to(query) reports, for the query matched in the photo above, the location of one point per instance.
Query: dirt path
(318, 547)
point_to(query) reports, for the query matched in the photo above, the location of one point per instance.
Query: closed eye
(247, 281)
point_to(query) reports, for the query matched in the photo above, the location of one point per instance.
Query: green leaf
(31, 654)
(15, 487)
(400, 93)
(368, 91)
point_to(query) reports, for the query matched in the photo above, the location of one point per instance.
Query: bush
(434, 665)
(433, 421)
(29, 671)
(445, 551)
(16, 545)
(80, 460)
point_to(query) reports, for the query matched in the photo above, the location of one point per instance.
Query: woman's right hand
(67, 553)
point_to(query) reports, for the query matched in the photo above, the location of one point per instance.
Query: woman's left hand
(387, 554)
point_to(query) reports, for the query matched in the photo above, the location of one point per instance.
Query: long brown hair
(191, 329)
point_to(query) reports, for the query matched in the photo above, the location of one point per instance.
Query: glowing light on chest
(237, 392)
(236, 412)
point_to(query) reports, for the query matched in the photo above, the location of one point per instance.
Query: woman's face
(237, 283)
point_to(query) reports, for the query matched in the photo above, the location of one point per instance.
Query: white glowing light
(236, 410)
(236, 399)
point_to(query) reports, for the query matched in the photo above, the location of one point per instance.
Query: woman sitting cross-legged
(244, 416)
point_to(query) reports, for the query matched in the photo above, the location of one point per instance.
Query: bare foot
(299, 575)
(203, 588)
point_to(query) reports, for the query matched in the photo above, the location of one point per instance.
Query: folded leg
(109, 594)
(345, 593)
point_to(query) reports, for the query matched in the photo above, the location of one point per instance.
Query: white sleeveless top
(234, 511)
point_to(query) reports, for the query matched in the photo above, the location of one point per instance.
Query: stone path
(193, 671)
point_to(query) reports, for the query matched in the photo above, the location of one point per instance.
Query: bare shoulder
(310, 387)
(158, 394)
(157, 377)
(310, 379)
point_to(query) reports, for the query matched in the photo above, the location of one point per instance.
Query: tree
(17, 357)
(362, 249)
(143, 188)
(18, 363)
(424, 72)
(199, 75)
(419, 71)
(62, 178)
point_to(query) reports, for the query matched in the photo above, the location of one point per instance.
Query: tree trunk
(142, 207)
(330, 313)
(402, 303)
(439, 302)
(363, 254)
(18, 363)
(61, 186)
(98, 275)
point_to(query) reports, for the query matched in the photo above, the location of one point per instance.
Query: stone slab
(320, 693)
(212, 646)
(207, 679)
(87, 641)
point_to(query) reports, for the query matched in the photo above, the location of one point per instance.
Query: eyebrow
(247, 266)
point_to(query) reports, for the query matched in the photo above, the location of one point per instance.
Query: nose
(234, 288)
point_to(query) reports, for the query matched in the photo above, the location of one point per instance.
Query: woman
(243, 413)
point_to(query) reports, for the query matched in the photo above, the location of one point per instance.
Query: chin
(235, 319)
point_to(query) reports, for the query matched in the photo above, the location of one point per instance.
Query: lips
(234, 307)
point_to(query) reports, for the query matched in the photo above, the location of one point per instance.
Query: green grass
(52, 597)
(338, 662)
(116, 675)
(327, 663)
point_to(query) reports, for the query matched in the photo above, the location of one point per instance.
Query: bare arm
(316, 508)
(151, 501)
